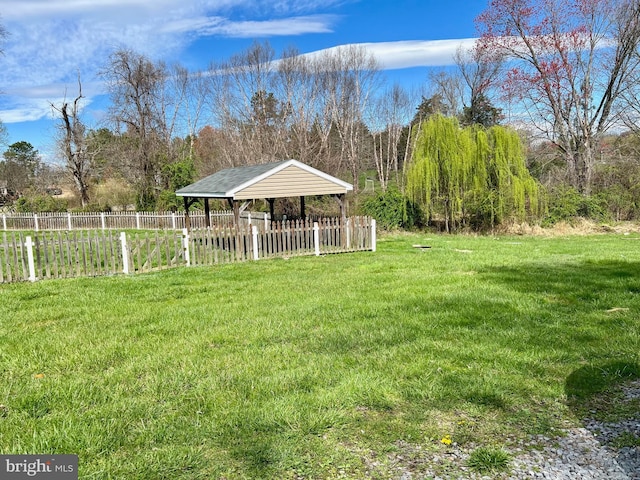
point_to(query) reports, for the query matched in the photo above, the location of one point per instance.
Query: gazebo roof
(288, 178)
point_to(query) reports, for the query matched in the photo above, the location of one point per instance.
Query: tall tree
(390, 115)
(246, 109)
(350, 77)
(571, 63)
(143, 113)
(20, 166)
(479, 70)
(73, 145)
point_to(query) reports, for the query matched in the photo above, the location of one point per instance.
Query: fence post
(32, 266)
(173, 220)
(348, 227)
(316, 238)
(69, 221)
(185, 246)
(266, 223)
(254, 237)
(36, 226)
(125, 253)
(373, 235)
(102, 221)
(138, 220)
(4, 222)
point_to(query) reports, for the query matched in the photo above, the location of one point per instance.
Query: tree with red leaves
(569, 63)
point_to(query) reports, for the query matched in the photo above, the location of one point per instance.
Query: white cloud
(26, 111)
(412, 53)
(208, 26)
(52, 41)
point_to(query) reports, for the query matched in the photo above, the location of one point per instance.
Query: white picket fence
(123, 220)
(64, 254)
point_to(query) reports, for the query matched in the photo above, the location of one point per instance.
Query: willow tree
(470, 176)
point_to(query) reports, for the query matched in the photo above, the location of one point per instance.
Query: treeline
(447, 156)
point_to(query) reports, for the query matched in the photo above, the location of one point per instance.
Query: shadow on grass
(573, 282)
(586, 382)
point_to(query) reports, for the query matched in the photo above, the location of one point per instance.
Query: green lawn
(318, 367)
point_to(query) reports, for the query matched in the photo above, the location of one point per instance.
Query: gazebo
(288, 178)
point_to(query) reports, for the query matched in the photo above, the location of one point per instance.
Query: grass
(319, 367)
(486, 459)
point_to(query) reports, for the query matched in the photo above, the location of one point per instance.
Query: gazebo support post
(207, 215)
(188, 201)
(236, 210)
(271, 209)
(302, 213)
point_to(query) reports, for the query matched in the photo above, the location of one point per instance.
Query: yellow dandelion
(446, 440)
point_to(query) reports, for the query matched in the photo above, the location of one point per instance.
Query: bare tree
(393, 109)
(479, 71)
(73, 145)
(572, 62)
(143, 113)
(351, 76)
(447, 90)
(300, 97)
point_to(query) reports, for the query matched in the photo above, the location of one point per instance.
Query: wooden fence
(90, 253)
(122, 220)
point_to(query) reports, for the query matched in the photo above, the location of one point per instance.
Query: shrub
(567, 204)
(40, 203)
(392, 210)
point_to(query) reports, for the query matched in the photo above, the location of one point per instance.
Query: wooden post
(236, 211)
(316, 238)
(271, 211)
(4, 222)
(302, 213)
(207, 214)
(373, 235)
(185, 246)
(125, 253)
(254, 235)
(32, 268)
(69, 221)
(36, 226)
(187, 220)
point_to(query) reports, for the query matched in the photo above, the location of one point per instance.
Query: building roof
(288, 178)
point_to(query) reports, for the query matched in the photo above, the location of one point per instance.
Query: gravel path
(587, 453)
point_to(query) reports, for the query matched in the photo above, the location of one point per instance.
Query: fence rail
(90, 253)
(123, 220)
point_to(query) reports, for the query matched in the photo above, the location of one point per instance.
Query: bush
(567, 204)
(392, 210)
(40, 203)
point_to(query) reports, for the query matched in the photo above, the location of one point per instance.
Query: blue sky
(51, 41)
